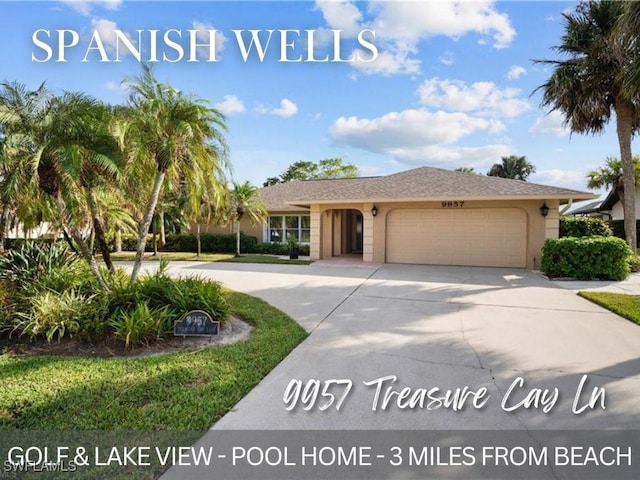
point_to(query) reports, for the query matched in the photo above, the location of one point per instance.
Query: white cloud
(106, 31)
(112, 86)
(516, 72)
(551, 124)
(416, 136)
(203, 36)
(447, 58)
(400, 26)
(454, 156)
(230, 104)
(85, 7)
(412, 21)
(286, 109)
(342, 15)
(483, 98)
(390, 62)
(562, 178)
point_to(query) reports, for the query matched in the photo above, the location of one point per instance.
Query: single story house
(425, 215)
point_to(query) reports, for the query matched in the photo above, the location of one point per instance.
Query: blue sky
(452, 84)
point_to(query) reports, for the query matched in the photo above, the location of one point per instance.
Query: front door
(355, 221)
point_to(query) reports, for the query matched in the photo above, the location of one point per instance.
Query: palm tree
(246, 203)
(62, 143)
(177, 136)
(629, 27)
(514, 167)
(610, 175)
(588, 86)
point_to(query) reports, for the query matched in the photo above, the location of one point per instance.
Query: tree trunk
(154, 230)
(163, 233)
(238, 238)
(198, 242)
(4, 213)
(67, 239)
(146, 222)
(99, 230)
(82, 244)
(624, 125)
(118, 240)
(92, 236)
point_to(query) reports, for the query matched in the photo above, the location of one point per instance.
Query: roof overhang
(560, 198)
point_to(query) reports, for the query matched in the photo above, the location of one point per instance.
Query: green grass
(210, 257)
(627, 306)
(182, 391)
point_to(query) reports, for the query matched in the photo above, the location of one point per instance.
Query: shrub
(7, 306)
(279, 249)
(139, 325)
(183, 294)
(31, 260)
(54, 314)
(209, 243)
(586, 258)
(129, 243)
(634, 263)
(584, 227)
(75, 275)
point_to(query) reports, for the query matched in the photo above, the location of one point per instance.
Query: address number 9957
(453, 204)
(316, 394)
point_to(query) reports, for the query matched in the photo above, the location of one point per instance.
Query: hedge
(187, 242)
(209, 242)
(584, 227)
(586, 258)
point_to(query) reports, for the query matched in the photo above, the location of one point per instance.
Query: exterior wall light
(544, 210)
(374, 211)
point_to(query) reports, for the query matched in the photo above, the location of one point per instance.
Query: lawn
(183, 391)
(210, 257)
(627, 306)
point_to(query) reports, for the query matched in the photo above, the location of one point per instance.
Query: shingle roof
(586, 208)
(423, 183)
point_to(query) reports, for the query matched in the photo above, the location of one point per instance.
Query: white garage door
(486, 237)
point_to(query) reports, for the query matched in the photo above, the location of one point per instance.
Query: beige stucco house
(425, 216)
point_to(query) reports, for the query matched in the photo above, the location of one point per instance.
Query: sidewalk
(630, 286)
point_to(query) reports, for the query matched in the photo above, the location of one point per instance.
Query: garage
(482, 237)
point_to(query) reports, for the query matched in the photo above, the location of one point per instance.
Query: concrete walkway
(430, 327)
(630, 286)
(444, 327)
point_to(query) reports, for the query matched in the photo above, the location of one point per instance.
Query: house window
(282, 227)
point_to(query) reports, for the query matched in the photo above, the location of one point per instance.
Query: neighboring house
(589, 209)
(44, 230)
(610, 208)
(425, 215)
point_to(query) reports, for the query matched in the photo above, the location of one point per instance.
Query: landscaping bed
(183, 391)
(57, 325)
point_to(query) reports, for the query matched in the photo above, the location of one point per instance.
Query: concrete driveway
(445, 327)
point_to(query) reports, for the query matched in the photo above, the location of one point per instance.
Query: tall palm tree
(588, 86)
(629, 27)
(246, 203)
(178, 136)
(514, 167)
